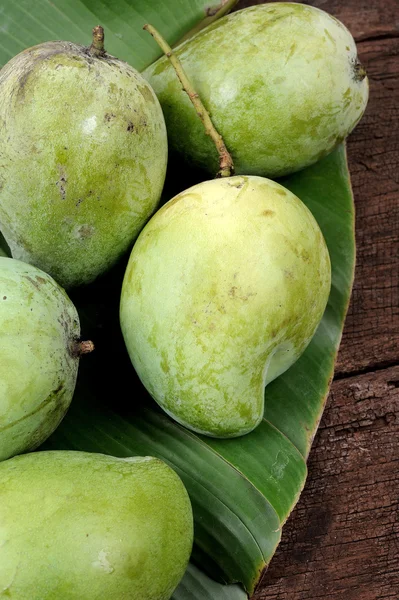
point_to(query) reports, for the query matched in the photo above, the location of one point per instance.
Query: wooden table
(342, 540)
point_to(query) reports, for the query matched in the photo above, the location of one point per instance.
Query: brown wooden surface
(342, 540)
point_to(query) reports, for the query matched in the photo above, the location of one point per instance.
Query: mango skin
(223, 291)
(90, 526)
(38, 327)
(282, 84)
(83, 153)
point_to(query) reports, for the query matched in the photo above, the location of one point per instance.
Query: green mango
(76, 525)
(83, 153)
(39, 356)
(223, 291)
(282, 83)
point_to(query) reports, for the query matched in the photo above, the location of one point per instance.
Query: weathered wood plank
(342, 540)
(371, 336)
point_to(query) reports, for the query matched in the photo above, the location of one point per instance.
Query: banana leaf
(242, 489)
(29, 22)
(197, 586)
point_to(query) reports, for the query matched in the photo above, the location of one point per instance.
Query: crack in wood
(374, 368)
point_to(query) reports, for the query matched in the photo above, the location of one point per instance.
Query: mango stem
(97, 45)
(226, 166)
(80, 348)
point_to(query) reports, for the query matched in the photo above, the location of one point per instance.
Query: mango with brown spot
(39, 356)
(282, 82)
(77, 525)
(83, 151)
(234, 300)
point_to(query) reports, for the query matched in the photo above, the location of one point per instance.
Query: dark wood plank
(371, 336)
(342, 540)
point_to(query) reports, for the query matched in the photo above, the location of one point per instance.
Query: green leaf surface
(242, 489)
(29, 22)
(197, 586)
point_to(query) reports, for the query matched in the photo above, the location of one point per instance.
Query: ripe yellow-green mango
(76, 525)
(39, 330)
(83, 154)
(282, 83)
(224, 289)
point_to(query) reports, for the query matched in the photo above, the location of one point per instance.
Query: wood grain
(371, 337)
(342, 540)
